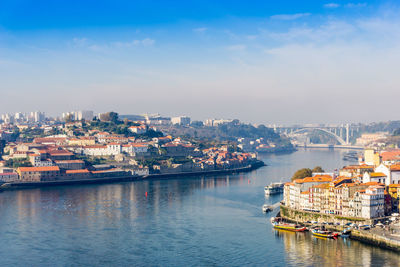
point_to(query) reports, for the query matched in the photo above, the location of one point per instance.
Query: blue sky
(268, 61)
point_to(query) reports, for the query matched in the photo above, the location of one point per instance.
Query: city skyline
(266, 63)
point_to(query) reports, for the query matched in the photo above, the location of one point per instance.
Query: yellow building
(371, 157)
(82, 141)
(394, 192)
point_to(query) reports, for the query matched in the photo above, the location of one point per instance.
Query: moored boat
(323, 233)
(266, 208)
(289, 227)
(274, 188)
(346, 233)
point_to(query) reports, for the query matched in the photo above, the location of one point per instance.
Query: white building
(181, 120)
(305, 203)
(355, 204)
(134, 148)
(85, 115)
(37, 116)
(292, 191)
(79, 115)
(373, 202)
(378, 177)
(216, 122)
(392, 173)
(36, 161)
(8, 177)
(141, 129)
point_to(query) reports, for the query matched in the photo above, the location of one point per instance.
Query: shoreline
(106, 180)
(363, 236)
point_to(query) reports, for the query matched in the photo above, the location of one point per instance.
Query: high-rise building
(37, 116)
(85, 115)
(79, 115)
(181, 120)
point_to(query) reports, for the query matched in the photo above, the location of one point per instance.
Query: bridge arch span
(338, 138)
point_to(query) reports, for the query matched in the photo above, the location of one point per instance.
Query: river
(194, 221)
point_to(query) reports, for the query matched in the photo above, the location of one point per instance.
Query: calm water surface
(204, 221)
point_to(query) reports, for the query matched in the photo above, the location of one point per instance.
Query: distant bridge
(338, 138)
(342, 133)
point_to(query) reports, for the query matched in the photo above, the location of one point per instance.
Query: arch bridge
(338, 138)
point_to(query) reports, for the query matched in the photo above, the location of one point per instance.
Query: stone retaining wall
(382, 239)
(304, 216)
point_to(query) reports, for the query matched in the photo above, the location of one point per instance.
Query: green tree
(302, 173)
(318, 169)
(16, 163)
(110, 116)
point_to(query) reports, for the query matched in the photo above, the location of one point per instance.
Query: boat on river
(266, 208)
(274, 188)
(324, 233)
(289, 227)
(346, 232)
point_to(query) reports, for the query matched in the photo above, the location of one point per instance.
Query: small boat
(266, 208)
(323, 233)
(346, 233)
(290, 227)
(274, 188)
(351, 156)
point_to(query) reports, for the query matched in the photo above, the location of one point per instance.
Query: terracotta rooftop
(39, 169)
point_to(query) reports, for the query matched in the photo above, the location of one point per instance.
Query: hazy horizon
(286, 62)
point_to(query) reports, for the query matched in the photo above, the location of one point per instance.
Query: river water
(194, 221)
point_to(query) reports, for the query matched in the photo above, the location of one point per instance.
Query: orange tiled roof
(395, 167)
(390, 155)
(322, 186)
(39, 169)
(377, 174)
(372, 183)
(315, 179)
(355, 167)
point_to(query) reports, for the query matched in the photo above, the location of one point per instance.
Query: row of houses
(55, 173)
(369, 189)
(340, 196)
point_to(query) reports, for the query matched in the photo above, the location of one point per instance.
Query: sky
(258, 61)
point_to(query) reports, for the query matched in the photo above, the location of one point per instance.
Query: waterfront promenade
(20, 185)
(387, 237)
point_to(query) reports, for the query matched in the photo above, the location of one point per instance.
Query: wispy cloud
(238, 47)
(332, 5)
(133, 43)
(201, 29)
(79, 41)
(290, 16)
(83, 42)
(355, 5)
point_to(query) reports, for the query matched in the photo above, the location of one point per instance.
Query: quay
(128, 178)
(387, 238)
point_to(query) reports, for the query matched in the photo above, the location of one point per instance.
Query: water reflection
(194, 221)
(303, 249)
(113, 200)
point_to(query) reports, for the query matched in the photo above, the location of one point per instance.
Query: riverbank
(102, 180)
(376, 237)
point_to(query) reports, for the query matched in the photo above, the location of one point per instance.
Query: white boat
(274, 188)
(266, 208)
